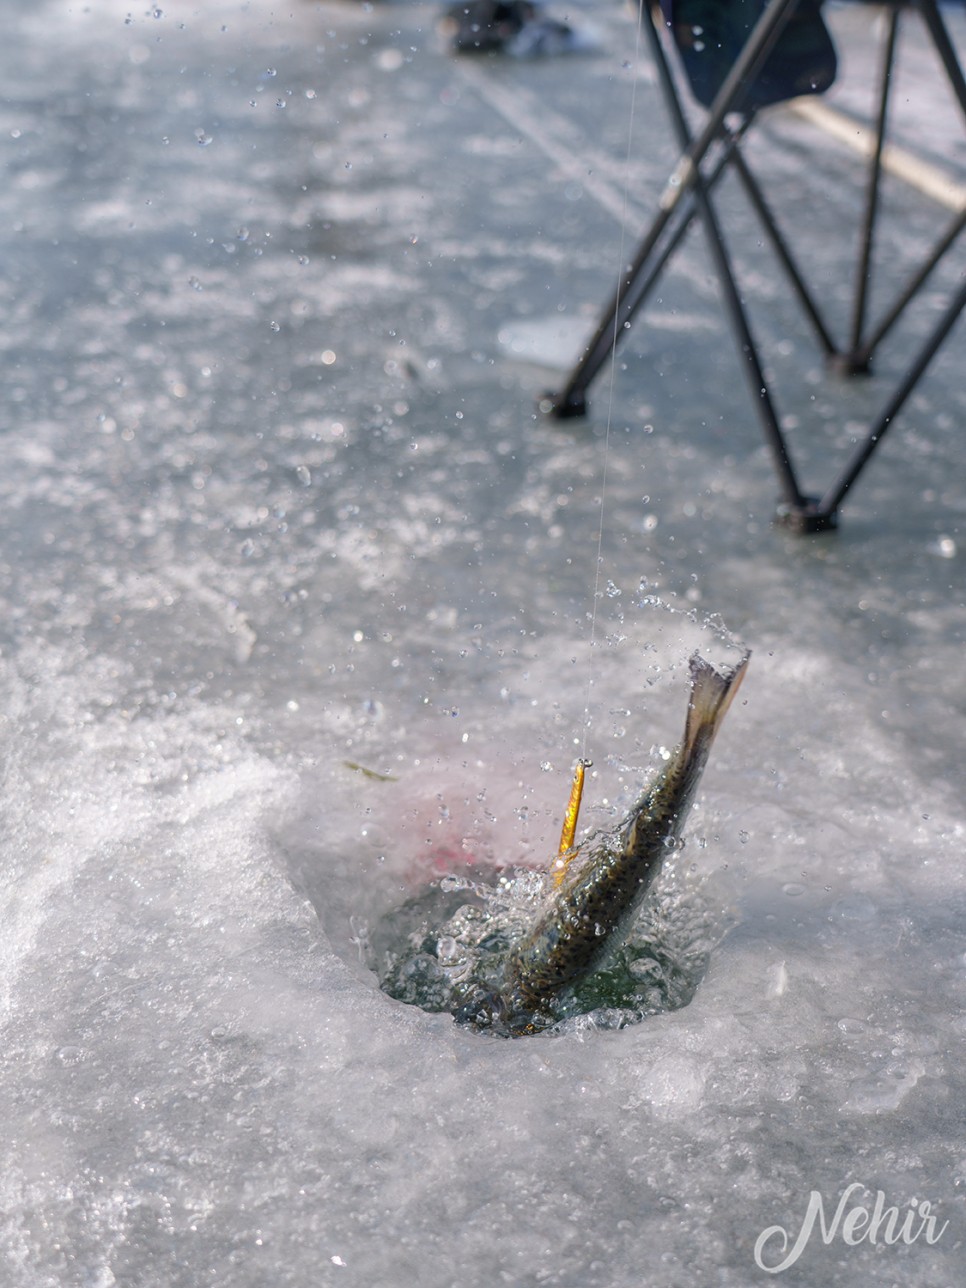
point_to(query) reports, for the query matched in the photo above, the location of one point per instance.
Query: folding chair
(740, 56)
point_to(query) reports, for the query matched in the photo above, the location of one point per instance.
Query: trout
(589, 916)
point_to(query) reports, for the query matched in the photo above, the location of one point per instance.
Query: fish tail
(711, 694)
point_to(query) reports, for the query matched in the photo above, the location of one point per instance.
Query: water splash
(446, 949)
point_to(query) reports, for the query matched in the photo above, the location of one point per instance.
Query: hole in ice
(430, 873)
(446, 948)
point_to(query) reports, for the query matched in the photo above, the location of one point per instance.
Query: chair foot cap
(806, 518)
(563, 406)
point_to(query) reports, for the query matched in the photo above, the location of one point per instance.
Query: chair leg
(635, 286)
(863, 344)
(944, 48)
(794, 500)
(740, 325)
(572, 399)
(688, 195)
(782, 250)
(864, 353)
(851, 363)
(836, 493)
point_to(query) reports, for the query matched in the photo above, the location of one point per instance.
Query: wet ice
(446, 949)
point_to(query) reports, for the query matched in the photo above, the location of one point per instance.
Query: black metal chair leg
(850, 363)
(571, 400)
(781, 248)
(944, 48)
(688, 195)
(748, 354)
(863, 347)
(835, 495)
(868, 346)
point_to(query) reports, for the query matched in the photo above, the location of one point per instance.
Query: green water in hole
(446, 948)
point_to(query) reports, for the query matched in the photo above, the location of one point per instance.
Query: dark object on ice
(486, 26)
(516, 27)
(710, 35)
(588, 917)
(786, 53)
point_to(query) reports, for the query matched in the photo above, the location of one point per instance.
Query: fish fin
(711, 694)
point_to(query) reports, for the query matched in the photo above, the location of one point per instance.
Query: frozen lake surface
(276, 503)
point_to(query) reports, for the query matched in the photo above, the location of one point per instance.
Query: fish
(599, 894)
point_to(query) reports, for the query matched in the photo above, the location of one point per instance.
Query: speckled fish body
(589, 917)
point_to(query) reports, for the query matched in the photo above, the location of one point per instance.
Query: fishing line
(588, 720)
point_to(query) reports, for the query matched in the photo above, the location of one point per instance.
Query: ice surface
(276, 506)
(550, 342)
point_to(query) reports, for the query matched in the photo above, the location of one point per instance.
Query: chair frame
(688, 195)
